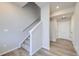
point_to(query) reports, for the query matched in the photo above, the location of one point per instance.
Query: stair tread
(26, 42)
(26, 47)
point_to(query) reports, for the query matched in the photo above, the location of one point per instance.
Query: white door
(63, 29)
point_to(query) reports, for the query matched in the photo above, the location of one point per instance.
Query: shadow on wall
(12, 22)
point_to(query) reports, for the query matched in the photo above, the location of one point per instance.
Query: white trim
(35, 27)
(23, 40)
(75, 47)
(31, 53)
(9, 51)
(54, 40)
(46, 47)
(35, 51)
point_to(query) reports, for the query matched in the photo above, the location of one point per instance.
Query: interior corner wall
(75, 28)
(45, 25)
(53, 29)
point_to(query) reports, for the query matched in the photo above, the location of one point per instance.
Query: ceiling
(62, 5)
(53, 5)
(19, 4)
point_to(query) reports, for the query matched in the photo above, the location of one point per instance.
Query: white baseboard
(34, 51)
(9, 51)
(76, 48)
(47, 48)
(54, 40)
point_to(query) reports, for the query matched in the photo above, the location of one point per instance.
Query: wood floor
(61, 47)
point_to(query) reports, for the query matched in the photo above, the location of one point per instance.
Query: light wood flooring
(61, 47)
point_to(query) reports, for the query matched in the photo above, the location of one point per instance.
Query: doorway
(64, 28)
(60, 28)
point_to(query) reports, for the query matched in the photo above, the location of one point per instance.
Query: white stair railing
(33, 41)
(35, 38)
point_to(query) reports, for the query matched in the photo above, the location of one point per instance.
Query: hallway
(61, 47)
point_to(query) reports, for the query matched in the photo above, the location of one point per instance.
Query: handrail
(35, 26)
(24, 39)
(32, 24)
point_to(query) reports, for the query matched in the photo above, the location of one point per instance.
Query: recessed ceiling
(59, 6)
(62, 5)
(66, 16)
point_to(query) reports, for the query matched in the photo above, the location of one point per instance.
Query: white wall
(12, 22)
(20, 4)
(53, 22)
(36, 38)
(45, 21)
(60, 29)
(64, 28)
(53, 29)
(75, 28)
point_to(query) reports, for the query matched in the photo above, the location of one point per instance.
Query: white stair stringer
(33, 40)
(26, 47)
(26, 44)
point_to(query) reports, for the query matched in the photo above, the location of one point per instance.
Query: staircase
(31, 34)
(29, 42)
(32, 41)
(26, 44)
